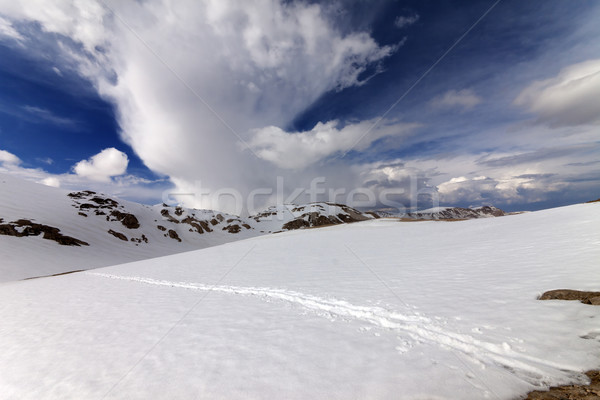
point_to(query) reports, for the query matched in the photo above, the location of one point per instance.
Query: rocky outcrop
(296, 224)
(322, 214)
(129, 221)
(142, 239)
(457, 213)
(24, 227)
(118, 235)
(165, 214)
(571, 392)
(592, 298)
(173, 235)
(200, 225)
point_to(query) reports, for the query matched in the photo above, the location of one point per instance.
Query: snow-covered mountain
(374, 310)
(66, 231)
(456, 213)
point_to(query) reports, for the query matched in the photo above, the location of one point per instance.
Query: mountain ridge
(86, 229)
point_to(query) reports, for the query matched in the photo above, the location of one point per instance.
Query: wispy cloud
(538, 155)
(464, 99)
(8, 31)
(403, 21)
(568, 99)
(46, 160)
(42, 114)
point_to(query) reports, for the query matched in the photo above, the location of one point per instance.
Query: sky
(237, 105)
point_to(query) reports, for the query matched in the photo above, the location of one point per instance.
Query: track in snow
(419, 328)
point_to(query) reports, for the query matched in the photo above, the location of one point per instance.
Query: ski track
(418, 327)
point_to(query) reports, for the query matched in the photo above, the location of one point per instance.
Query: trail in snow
(419, 328)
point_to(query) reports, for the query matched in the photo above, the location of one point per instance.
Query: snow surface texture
(373, 310)
(118, 231)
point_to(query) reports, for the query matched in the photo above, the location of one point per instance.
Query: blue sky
(136, 99)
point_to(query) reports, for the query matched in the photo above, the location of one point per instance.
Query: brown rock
(118, 235)
(234, 228)
(29, 228)
(168, 217)
(568, 294)
(129, 221)
(200, 226)
(105, 202)
(571, 392)
(80, 195)
(174, 235)
(296, 224)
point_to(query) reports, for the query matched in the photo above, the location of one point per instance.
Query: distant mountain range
(456, 213)
(45, 230)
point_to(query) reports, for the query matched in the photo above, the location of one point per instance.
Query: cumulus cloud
(465, 99)
(193, 82)
(482, 190)
(104, 165)
(513, 177)
(125, 186)
(568, 99)
(398, 185)
(301, 149)
(402, 21)
(200, 88)
(9, 158)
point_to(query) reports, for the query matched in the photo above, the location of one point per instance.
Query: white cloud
(125, 186)
(80, 20)
(568, 99)
(9, 158)
(527, 188)
(45, 160)
(51, 181)
(255, 65)
(8, 31)
(269, 61)
(402, 21)
(104, 165)
(301, 149)
(49, 116)
(465, 99)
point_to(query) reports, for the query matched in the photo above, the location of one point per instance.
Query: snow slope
(80, 217)
(105, 231)
(373, 310)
